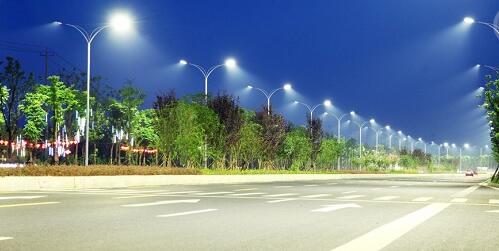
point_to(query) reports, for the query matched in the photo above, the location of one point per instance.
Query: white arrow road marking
(281, 195)
(315, 195)
(459, 200)
(281, 200)
(213, 193)
(382, 236)
(5, 238)
(492, 201)
(329, 208)
(187, 213)
(386, 198)
(29, 204)
(22, 197)
(162, 202)
(422, 199)
(492, 211)
(351, 197)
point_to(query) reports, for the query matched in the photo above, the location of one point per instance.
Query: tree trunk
(111, 154)
(56, 154)
(95, 153)
(76, 153)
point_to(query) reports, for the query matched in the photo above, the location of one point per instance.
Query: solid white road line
(245, 194)
(213, 193)
(376, 188)
(351, 197)
(282, 186)
(422, 199)
(347, 192)
(386, 198)
(459, 200)
(281, 195)
(382, 236)
(30, 204)
(332, 183)
(5, 238)
(162, 202)
(136, 196)
(316, 195)
(329, 208)
(281, 200)
(466, 191)
(394, 186)
(22, 197)
(245, 189)
(187, 213)
(492, 211)
(492, 201)
(311, 185)
(181, 192)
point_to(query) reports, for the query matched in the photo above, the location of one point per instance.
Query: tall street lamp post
(285, 87)
(120, 22)
(361, 126)
(338, 119)
(470, 20)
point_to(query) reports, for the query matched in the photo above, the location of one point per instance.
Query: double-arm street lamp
(420, 140)
(326, 103)
(229, 63)
(400, 139)
(377, 131)
(496, 69)
(338, 119)
(470, 20)
(119, 22)
(389, 135)
(361, 126)
(466, 146)
(285, 87)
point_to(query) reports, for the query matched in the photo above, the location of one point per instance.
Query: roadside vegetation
(95, 170)
(491, 104)
(43, 124)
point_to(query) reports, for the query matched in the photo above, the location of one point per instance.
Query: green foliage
(491, 105)
(143, 129)
(298, 148)
(32, 107)
(330, 150)
(189, 143)
(250, 143)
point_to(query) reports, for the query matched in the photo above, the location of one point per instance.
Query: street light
(466, 146)
(496, 69)
(229, 63)
(420, 140)
(361, 126)
(285, 87)
(470, 20)
(378, 132)
(390, 135)
(326, 103)
(118, 21)
(446, 145)
(338, 119)
(399, 136)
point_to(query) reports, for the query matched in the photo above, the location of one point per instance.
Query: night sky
(409, 64)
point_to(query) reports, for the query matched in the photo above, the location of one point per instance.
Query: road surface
(433, 213)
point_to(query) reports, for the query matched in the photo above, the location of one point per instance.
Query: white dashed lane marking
(163, 202)
(466, 191)
(5, 238)
(386, 198)
(492, 201)
(347, 192)
(246, 194)
(281, 200)
(459, 200)
(29, 204)
(136, 196)
(282, 186)
(351, 197)
(382, 236)
(329, 208)
(213, 193)
(394, 186)
(280, 195)
(311, 185)
(316, 195)
(422, 199)
(22, 197)
(181, 192)
(245, 189)
(187, 213)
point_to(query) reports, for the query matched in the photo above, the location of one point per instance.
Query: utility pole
(46, 54)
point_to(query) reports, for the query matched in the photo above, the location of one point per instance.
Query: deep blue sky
(405, 63)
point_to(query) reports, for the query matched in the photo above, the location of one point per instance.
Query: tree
(18, 83)
(143, 131)
(250, 143)
(165, 124)
(298, 148)
(190, 139)
(330, 150)
(59, 99)
(273, 134)
(230, 116)
(4, 96)
(32, 107)
(314, 126)
(491, 105)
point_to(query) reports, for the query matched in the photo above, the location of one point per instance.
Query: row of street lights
(123, 22)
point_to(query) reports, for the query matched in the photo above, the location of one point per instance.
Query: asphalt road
(437, 213)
